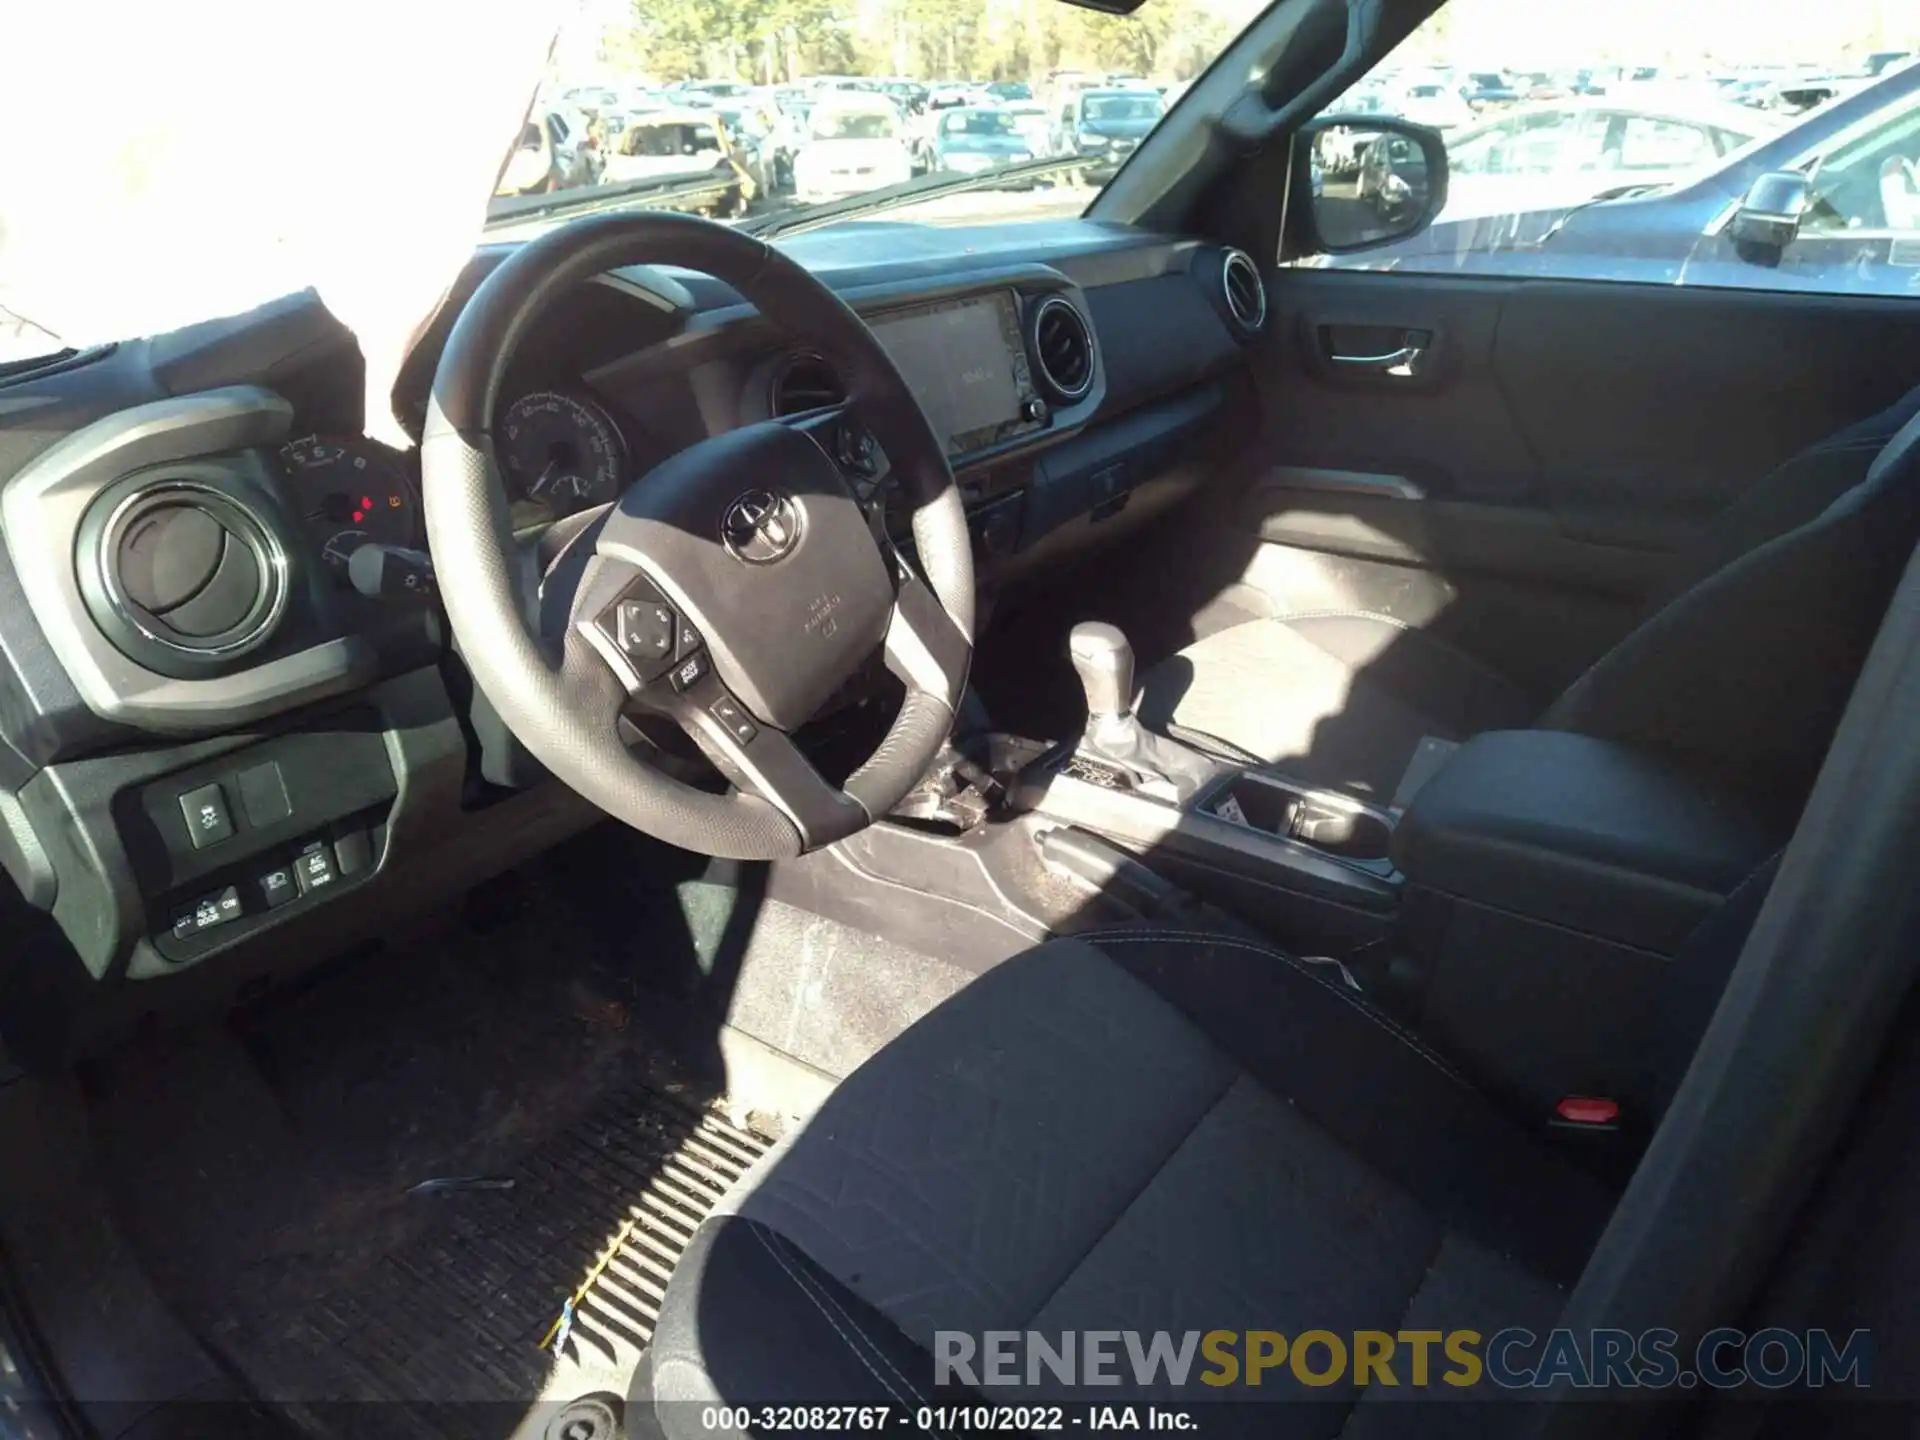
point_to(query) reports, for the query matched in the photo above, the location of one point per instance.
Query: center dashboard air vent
(1245, 295)
(1063, 348)
(805, 381)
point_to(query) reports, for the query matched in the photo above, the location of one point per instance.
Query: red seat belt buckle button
(1591, 1110)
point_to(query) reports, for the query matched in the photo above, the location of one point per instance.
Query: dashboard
(216, 745)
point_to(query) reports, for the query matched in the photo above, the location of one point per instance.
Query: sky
(1557, 33)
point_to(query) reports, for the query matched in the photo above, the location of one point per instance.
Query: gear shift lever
(1103, 659)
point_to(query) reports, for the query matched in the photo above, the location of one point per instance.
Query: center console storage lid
(1580, 833)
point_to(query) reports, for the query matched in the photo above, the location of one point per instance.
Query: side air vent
(184, 570)
(1246, 296)
(1063, 348)
(805, 381)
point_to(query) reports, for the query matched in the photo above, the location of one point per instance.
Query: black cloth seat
(1141, 1130)
(1740, 666)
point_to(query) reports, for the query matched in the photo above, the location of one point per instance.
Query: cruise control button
(733, 716)
(313, 868)
(205, 811)
(690, 671)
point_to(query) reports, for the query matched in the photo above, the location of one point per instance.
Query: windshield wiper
(907, 192)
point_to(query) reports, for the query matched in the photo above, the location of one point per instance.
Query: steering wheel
(734, 588)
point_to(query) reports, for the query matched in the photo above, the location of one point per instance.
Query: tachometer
(560, 451)
(350, 491)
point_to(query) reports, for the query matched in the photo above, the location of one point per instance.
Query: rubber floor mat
(513, 1290)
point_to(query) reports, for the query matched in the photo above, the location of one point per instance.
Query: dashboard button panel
(207, 913)
(313, 868)
(207, 817)
(277, 887)
(263, 794)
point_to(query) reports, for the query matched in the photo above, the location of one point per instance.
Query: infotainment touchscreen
(965, 364)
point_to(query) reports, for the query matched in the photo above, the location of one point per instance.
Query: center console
(1532, 904)
(1307, 866)
(1555, 886)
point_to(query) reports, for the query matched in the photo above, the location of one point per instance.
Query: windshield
(728, 111)
(943, 95)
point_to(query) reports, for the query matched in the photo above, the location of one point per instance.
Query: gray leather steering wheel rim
(557, 692)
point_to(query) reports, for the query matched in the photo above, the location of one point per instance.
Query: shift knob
(1103, 660)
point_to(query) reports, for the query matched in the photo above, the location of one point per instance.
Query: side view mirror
(1768, 219)
(1373, 180)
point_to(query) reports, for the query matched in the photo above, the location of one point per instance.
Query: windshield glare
(779, 82)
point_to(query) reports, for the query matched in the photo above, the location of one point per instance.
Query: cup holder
(1327, 821)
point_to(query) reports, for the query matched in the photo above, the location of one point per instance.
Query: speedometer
(561, 452)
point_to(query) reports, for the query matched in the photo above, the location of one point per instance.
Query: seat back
(1742, 674)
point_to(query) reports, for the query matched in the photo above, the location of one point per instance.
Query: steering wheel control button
(207, 913)
(690, 671)
(313, 868)
(645, 631)
(687, 641)
(733, 719)
(207, 817)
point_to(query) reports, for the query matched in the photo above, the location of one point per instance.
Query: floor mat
(268, 1169)
(556, 1262)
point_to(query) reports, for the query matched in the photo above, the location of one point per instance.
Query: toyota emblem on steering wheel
(760, 527)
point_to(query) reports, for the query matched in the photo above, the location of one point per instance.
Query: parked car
(680, 146)
(953, 97)
(854, 143)
(1855, 225)
(1486, 89)
(975, 139)
(557, 150)
(1796, 97)
(1031, 120)
(1007, 91)
(1536, 157)
(1431, 102)
(707, 91)
(1107, 126)
(909, 95)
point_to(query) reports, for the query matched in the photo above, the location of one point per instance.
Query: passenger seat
(1740, 668)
